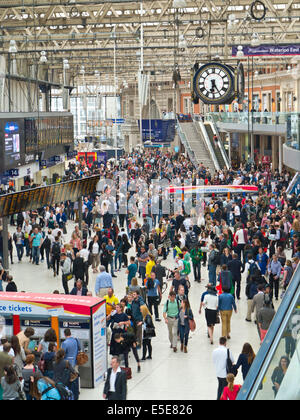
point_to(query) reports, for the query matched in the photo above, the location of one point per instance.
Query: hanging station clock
(214, 84)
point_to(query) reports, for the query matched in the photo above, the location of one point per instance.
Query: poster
(99, 343)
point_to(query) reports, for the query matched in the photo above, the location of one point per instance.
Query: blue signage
(11, 172)
(117, 121)
(10, 127)
(158, 131)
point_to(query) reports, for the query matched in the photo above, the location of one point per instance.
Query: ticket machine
(39, 323)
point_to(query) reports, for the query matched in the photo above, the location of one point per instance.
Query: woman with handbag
(63, 372)
(185, 315)
(148, 333)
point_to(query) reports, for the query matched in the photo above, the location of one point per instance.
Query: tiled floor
(169, 375)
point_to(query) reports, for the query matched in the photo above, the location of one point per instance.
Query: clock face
(213, 83)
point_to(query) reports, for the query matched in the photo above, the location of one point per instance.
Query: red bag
(192, 325)
(128, 372)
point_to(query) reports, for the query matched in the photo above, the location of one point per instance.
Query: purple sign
(269, 50)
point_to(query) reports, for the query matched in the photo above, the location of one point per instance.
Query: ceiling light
(43, 57)
(255, 41)
(66, 64)
(12, 46)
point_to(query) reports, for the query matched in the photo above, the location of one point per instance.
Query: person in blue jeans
(71, 347)
(36, 246)
(185, 315)
(212, 265)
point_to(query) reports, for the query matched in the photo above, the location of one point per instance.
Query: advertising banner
(212, 189)
(268, 50)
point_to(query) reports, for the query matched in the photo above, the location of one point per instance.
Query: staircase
(197, 145)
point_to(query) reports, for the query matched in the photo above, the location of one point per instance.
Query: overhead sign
(39, 197)
(158, 131)
(268, 50)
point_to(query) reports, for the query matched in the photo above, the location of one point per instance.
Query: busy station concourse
(149, 202)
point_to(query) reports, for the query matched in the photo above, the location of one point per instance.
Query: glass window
(281, 381)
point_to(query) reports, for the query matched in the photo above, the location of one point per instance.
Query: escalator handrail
(220, 143)
(264, 356)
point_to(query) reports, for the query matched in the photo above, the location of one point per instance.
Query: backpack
(56, 249)
(65, 393)
(47, 243)
(225, 278)
(187, 268)
(253, 269)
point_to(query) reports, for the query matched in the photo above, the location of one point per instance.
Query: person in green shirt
(196, 257)
(170, 314)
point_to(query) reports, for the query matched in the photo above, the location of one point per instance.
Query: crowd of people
(220, 238)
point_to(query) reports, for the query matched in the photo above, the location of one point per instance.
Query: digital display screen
(12, 143)
(46, 196)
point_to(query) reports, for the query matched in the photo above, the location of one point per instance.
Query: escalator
(215, 145)
(275, 372)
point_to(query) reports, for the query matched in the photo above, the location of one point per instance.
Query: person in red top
(230, 391)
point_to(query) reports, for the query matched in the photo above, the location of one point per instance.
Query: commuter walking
(170, 314)
(220, 356)
(226, 306)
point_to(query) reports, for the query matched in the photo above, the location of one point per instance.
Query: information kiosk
(85, 316)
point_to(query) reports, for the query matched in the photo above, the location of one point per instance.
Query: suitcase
(128, 372)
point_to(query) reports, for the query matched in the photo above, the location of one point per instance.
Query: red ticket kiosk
(84, 315)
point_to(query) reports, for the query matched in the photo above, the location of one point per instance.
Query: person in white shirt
(220, 355)
(210, 303)
(115, 387)
(241, 237)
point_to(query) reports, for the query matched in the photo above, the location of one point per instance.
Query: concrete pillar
(280, 153)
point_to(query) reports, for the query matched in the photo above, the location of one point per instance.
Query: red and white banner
(212, 189)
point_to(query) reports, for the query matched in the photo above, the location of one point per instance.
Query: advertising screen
(12, 133)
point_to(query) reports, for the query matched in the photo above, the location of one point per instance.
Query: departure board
(46, 196)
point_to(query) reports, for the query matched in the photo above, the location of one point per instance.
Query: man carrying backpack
(55, 253)
(71, 347)
(170, 314)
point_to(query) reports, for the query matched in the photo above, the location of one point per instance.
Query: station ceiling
(173, 31)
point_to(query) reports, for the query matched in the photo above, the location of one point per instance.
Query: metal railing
(281, 341)
(208, 144)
